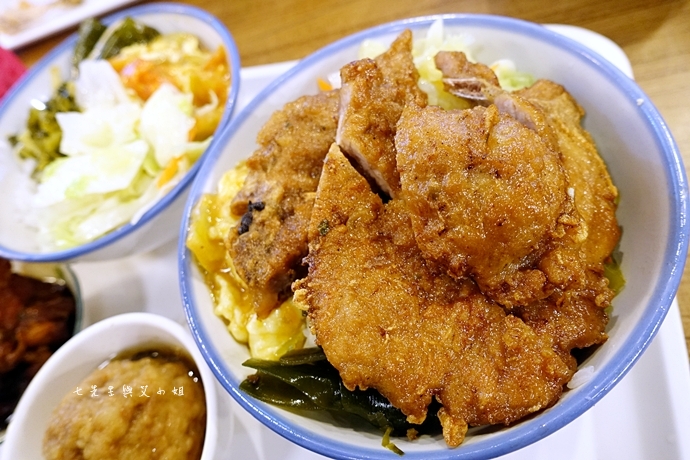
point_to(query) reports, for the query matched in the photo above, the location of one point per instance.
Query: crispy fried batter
(485, 194)
(389, 319)
(576, 317)
(595, 194)
(478, 84)
(573, 264)
(372, 97)
(469, 80)
(268, 245)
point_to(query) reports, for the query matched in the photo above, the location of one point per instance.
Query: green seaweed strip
(271, 390)
(306, 380)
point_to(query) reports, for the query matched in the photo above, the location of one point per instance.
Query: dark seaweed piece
(128, 33)
(89, 33)
(306, 380)
(274, 391)
(303, 356)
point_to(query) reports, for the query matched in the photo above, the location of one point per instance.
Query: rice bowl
(655, 240)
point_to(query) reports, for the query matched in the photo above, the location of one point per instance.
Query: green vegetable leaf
(90, 31)
(128, 33)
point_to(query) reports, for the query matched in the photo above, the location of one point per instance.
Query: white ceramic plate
(57, 19)
(645, 165)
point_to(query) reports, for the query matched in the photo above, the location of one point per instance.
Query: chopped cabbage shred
(425, 49)
(115, 150)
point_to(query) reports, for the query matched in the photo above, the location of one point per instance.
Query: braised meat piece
(36, 318)
(269, 242)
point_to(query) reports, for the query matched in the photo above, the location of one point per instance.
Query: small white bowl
(643, 160)
(53, 273)
(80, 356)
(157, 225)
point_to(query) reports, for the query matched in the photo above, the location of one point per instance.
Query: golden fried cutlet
(372, 97)
(268, 245)
(594, 192)
(574, 264)
(486, 196)
(575, 317)
(387, 318)
(548, 109)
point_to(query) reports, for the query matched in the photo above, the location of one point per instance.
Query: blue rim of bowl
(160, 205)
(527, 431)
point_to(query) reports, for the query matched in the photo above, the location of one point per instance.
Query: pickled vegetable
(128, 33)
(89, 33)
(41, 139)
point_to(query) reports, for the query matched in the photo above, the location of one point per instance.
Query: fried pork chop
(548, 109)
(487, 197)
(594, 192)
(571, 260)
(388, 318)
(268, 245)
(372, 97)
(575, 317)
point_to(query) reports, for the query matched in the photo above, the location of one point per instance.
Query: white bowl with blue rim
(645, 165)
(158, 224)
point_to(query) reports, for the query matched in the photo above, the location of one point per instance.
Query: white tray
(647, 415)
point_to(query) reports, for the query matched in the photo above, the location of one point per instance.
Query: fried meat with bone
(548, 109)
(372, 97)
(478, 84)
(487, 197)
(389, 319)
(268, 245)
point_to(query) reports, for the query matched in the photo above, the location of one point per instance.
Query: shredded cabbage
(115, 149)
(424, 51)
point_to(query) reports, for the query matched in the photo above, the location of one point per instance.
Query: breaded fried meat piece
(268, 245)
(595, 195)
(574, 264)
(389, 319)
(372, 97)
(576, 317)
(486, 197)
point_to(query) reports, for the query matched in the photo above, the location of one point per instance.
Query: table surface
(654, 35)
